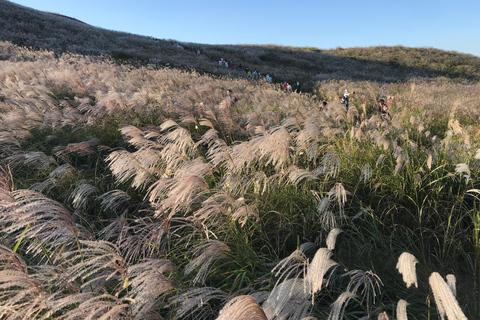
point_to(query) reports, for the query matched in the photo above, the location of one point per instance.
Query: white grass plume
(173, 194)
(446, 303)
(206, 253)
(125, 166)
(402, 310)
(46, 222)
(288, 300)
(369, 283)
(463, 168)
(452, 283)
(114, 200)
(95, 262)
(406, 267)
(81, 194)
(366, 173)
(195, 302)
(242, 308)
(149, 282)
(317, 269)
(293, 266)
(332, 238)
(338, 307)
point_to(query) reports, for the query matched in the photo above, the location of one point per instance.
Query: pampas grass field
(139, 191)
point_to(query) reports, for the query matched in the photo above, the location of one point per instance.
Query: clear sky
(452, 25)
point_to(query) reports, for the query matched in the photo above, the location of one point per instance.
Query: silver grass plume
(207, 253)
(320, 265)
(242, 308)
(33, 159)
(297, 175)
(96, 262)
(452, 283)
(175, 194)
(402, 310)
(338, 307)
(195, 302)
(46, 222)
(406, 267)
(381, 316)
(463, 168)
(81, 194)
(273, 145)
(114, 200)
(293, 266)
(149, 283)
(332, 238)
(366, 173)
(125, 166)
(215, 207)
(143, 239)
(446, 303)
(288, 300)
(369, 283)
(104, 307)
(84, 148)
(380, 159)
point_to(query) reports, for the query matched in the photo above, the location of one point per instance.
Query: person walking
(297, 87)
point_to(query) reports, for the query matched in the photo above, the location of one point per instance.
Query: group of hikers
(287, 87)
(344, 99)
(382, 104)
(250, 74)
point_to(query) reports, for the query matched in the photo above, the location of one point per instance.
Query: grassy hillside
(31, 28)
(132, 191)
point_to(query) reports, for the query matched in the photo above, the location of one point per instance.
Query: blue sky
(448, 25)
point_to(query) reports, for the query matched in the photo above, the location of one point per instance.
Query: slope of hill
(27, 27)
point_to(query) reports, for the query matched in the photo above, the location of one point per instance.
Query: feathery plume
(338, 307)
(368, 281)
(366, 172)
(406, 267)
(207, 253)
(332, 237)
(452, 283)
(80, 195)
(463, 168)
(446, 303)
(195, 302)
(288, 300)
(148, 284)
(321, 263)
(242, 308)
(402, 310)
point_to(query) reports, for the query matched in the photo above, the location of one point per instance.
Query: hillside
(27, 27)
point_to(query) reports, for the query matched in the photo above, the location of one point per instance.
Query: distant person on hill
(384, 109)
(255, 74)
(324, 105)
(285, 84)
(344, 103)
(220, 63)
(268, 78)
(297, 87)
(289, 87)
(346, 95)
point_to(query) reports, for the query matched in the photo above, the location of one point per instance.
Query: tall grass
(135, 193)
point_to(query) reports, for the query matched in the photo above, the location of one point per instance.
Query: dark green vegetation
(131, 191)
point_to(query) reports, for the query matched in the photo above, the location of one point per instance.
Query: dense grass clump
(138, 192)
